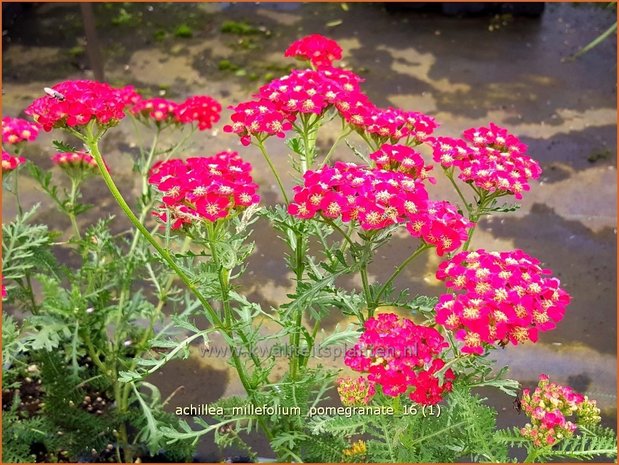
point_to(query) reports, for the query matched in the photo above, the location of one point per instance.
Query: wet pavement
(464, 71)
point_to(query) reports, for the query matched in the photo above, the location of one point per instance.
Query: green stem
(531, 456)
(93, 145)
(20, 210)
(296, 335)
(363, 271)
(595, 42)
(335, 144)
(35, 307)
(449, 174)
(75, 183)
(94, 150)
(263, 150)
(475, 215)
(399, 270)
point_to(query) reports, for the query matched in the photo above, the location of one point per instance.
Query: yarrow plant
(399, 355)
(143, 297)
(549, 408)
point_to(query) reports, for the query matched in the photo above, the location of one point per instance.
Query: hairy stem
(266, 156)
(399, 270)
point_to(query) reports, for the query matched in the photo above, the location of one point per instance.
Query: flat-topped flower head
(319, 50)
(504, 297)
(129, 95)
(157, 109)
(76, 103)
(258, 118)
(402, 159)
(403, 358)
(203, 188)
(441, 226)
(394, 125)
(493, 159)
(75, 162)
(17, 130)
(310, 91)
(10, 163)
(200, 109)
(372, 198)
(555, 412)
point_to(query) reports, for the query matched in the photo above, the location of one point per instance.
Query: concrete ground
(464, 71)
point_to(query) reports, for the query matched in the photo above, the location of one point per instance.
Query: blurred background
(465, 64)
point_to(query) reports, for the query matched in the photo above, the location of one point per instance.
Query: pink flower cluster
(506, 297)
(355, 392)
(75, 103)
(16, 130)
(376, 199)
(313, 92)
(258, 118)
(315, 48)
(203, 188)
(440, 225)
(399, 355)
(402, 159)
(278, 103)
(9, 162)
(496, 161)
(157, 109)
(549, 408)
(200, 109)
(81, 161)
(389, 124)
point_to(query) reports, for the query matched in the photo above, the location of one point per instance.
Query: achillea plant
(98, 330)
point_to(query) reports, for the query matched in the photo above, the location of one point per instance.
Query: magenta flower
(402, 357)
(81, 161)
(373, 198)
(76, 103)
(9, 162)
(201, 109)
(157, 109)
(495, 162)
(16, 130)
(402, 159)
(204, 188)
(440, 225)
(506, 297)
(259, 118)
(315, 48)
